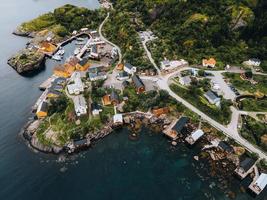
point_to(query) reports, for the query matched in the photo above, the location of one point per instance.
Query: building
(47, 47)
(53, 93)
(72, 61)
(185, 81)
(60, 81)
(122, 76)
(170, 65)
(83, 65)
(79, 144)
(191, 139)
(160, 111)
(61, 71)
(56, 87)
(253, 62)
(118, 119)
(120, 67)
(129, 69)
(177, 128)
(96, 109)
(111, 99)
(225, 147)
(211, 62)
(244, 167)
(212, 98)
(97, 76)
(77, 86)
(138, 84)
(260, 184)
(80, 105)
(42, 110)
(94, 52)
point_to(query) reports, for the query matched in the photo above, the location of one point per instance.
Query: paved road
(231, 130)
(106, 40)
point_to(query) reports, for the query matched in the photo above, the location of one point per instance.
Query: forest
(229, 30)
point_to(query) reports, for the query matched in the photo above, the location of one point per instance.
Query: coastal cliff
(26, 61)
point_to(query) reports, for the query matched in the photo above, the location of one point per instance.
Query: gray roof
(180, 124)
(226, 147)
(137, 81)
(83, 61)
(59, 80)
(211, 95)
(247, 164)
(44, 107)
(128, 65)
(51, 90)
(94, 49)
(80, 142)
(114, 96)
(123, 74)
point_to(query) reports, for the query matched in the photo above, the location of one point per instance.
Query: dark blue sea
(114, 168)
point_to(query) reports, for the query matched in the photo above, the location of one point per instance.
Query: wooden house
(138, 84)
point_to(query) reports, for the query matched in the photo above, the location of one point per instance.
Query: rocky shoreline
(133, 121)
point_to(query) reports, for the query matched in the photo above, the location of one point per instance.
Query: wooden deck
(168, 131)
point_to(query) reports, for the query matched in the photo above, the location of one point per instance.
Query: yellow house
(83, 65)
(42, 110)
(47, 47)
(65, 70)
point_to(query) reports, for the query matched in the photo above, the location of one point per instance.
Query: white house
(80, 105)
(194, 136)
(118, 119)
(186, 80)
(253, 62)
(77, 86)
(213, 98)
(170, 65)
(260, 183)
(129, 68)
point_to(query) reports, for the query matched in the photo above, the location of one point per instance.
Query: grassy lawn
(246, 86)
(257, 105)
(221, 115)
(255, 132)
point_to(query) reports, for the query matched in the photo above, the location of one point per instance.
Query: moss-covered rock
(26, 61)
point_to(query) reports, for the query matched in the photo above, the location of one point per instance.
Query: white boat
(80, 39)
(61, 52)
(77, 51)
(80, 43)
(57, 57)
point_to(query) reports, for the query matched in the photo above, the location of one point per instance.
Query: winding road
(231, 130)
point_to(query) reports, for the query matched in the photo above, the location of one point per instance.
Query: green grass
(256, 105)
(222, 115)
(247, 86)
(252, 130)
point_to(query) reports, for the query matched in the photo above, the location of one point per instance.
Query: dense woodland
(229, 30)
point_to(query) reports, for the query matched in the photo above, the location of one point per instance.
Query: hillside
(231, 31)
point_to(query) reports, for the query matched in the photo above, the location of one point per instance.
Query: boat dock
(47, 83)
(84, 49)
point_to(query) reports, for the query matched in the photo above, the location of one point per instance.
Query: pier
(84, 49)
(40, 99)
(259, 182)
(168, 131)
(47, 83)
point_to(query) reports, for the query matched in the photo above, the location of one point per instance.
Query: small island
(192, 99)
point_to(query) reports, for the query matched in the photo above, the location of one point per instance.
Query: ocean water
(114, 168)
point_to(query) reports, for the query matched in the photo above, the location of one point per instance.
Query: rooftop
(180, 124)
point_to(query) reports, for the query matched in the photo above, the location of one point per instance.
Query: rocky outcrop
(26, 61)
